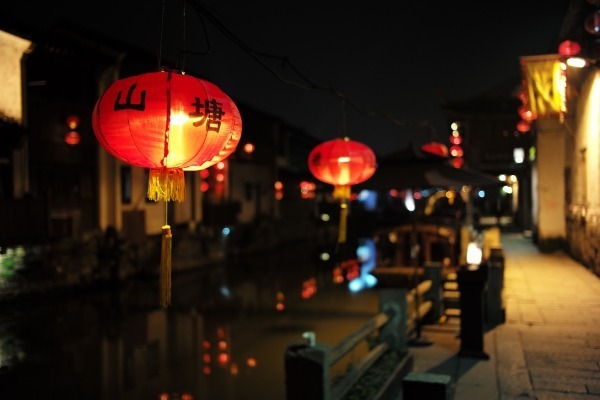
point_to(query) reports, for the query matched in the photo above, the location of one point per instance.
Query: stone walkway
(549, 346)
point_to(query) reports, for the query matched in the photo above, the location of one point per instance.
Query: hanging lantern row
(342, 162)
(168, 122)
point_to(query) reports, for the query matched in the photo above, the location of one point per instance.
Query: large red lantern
(342, 162)
(167, 122)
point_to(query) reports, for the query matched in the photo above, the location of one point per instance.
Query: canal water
(225, 335)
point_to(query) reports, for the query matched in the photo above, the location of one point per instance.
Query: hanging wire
(183, 31)
(160, 40)
(305, 83)
(342, 118)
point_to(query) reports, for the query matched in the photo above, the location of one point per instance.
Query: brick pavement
(549, 346)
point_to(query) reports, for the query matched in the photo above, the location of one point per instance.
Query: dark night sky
(391, 59)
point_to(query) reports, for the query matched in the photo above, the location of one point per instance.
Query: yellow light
(179, 118)
(345, 159)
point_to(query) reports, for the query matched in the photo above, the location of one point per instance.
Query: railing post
(433, 272)
(393, 302)
(307, 372)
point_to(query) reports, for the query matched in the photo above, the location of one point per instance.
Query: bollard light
(474, 255)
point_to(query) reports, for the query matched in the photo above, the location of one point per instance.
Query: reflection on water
(224, 337)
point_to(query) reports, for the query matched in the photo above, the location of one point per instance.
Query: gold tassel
(343, 218)
(343, 193)
(166, 184)
(165, 267)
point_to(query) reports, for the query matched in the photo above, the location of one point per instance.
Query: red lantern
(569, 48)
(342, 163)
(526, 114)
(458, 162)
(166, 121)
(523, 126)
(72, 138)
(436, 148)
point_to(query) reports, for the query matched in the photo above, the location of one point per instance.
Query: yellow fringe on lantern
(341, 191)
(166, 184)
(165, 267)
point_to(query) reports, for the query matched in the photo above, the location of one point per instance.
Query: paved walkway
(549, 346)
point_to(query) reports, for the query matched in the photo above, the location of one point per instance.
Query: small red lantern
(526, 114)
(166, 121)
(436, 148)
(342, 162)
(569, 48)
(72, 138)
(523, 126)
(458, 162)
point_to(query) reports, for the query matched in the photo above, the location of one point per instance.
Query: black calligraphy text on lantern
(128, 105)
(213, 112)
(316, 160)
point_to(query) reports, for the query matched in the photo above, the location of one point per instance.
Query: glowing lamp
(436, 148)
(342, 162)
(166, 121)
(569, 48)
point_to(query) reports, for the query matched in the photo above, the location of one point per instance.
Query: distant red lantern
(168, 122)
(523, 126)
(458, 162)
(456, 151)
(342, 162)
(526, 114)
(436, 148)
(72, 121)
(569, 48)
(72, 138)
